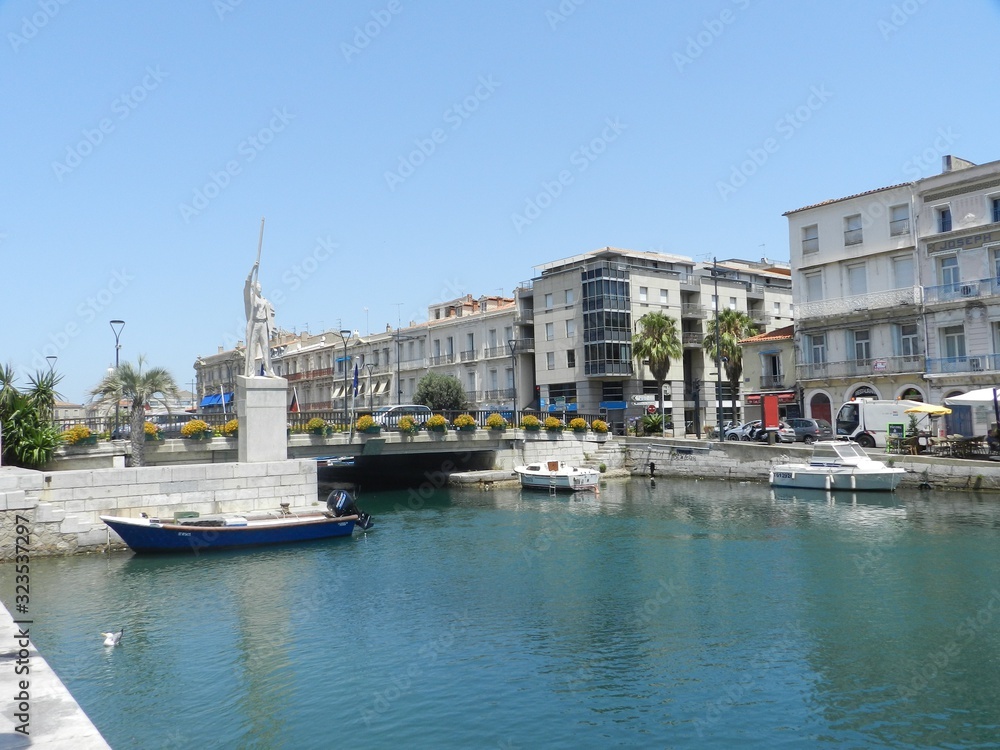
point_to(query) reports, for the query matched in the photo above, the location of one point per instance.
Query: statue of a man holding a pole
(260, 321)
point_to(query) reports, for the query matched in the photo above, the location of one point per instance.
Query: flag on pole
(294, 407)
(355, 380)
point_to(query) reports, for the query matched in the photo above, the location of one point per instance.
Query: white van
(388, 416)
(865, 420)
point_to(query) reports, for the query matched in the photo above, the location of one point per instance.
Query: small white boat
(556, 475)
(837, 465)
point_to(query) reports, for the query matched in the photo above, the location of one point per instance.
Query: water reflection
(685, 613)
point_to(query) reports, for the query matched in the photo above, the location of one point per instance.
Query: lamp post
(51, 359)
(370, 366)
(116, 328)
(512, 344)
(345, 334)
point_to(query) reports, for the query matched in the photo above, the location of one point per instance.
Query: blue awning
(215, 399)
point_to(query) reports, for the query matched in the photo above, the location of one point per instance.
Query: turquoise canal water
(689, 614)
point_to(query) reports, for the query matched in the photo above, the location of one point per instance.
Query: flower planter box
(467, 428)
(199, 436)
(372, 430)
(153, 438)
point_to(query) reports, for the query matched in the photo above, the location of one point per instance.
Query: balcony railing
(852, 237)
(492, 352)
(498, 394)
(469, 356)
(760, 317)
(898, 227)
(693, 310)
(962, 290)
(978, 363)
(772, 381)
(443, 359)
(692, 339)
(525, 345)
(854, 368)
(888, 299)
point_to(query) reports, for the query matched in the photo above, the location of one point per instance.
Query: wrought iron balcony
(856, 368)
(772, 382)
(978, 363)
(469, 356)
(443, 359)
(962, 290)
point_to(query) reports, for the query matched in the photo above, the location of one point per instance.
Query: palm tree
(657, 342)
(734, 326)
(139, 387)
(29, 437)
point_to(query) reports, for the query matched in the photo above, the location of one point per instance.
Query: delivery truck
(866, 420)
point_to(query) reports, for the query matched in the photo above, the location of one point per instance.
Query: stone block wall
(64, 507)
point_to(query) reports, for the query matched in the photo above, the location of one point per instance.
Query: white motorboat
(556, 475)
(837, 465)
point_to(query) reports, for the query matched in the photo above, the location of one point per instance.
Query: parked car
(743, 431)
(784, 434)
(809, 431)
(388, 416)
(170, 424)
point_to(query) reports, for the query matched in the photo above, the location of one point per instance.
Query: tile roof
(846, 198)
(778, 334)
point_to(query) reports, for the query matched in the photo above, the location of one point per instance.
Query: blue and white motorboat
(228, 531)
(837, 465)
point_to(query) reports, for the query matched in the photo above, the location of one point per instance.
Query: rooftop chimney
(951, 163)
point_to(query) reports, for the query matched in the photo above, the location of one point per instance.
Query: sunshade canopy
(933, 409)
(972, 398)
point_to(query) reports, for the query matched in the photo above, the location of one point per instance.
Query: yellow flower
(315, 423)
(231, 427)
(437, 421)
(463, 420)
(553, 423)
(578, 423)
(194, 427)
(530, 421)
(599, 425)
(495, 421)
(365, 422)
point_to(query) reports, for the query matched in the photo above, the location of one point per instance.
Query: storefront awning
(215, 399)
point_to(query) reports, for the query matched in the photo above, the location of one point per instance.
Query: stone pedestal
(263, 414)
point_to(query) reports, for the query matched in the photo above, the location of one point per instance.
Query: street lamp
(116, 328)
(345, 334)
(370, 366)
(512, 343)
(51, 359)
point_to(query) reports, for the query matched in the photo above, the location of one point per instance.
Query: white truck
(865, 420)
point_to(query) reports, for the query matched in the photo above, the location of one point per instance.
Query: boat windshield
(835, 451)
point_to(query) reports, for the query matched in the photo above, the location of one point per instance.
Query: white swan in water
(113, 639)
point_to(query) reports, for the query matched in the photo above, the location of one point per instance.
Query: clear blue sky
(404, 153)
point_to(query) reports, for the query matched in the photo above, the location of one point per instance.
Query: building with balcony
(896, 291)
(958, 246)
(586, 308)
(856, 289)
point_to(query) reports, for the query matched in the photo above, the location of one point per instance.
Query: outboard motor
(340, 503)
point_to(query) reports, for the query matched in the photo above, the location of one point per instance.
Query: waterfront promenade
(37, 709)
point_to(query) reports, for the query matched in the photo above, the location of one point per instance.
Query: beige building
(586, 309)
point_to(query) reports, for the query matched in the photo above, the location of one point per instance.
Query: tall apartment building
(896, 292)
(585, 310)
(958, 244)
(858, 329)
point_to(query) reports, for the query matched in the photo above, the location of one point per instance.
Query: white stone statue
(260, 323)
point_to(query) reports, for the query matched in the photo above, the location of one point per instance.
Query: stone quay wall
(64, 507)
